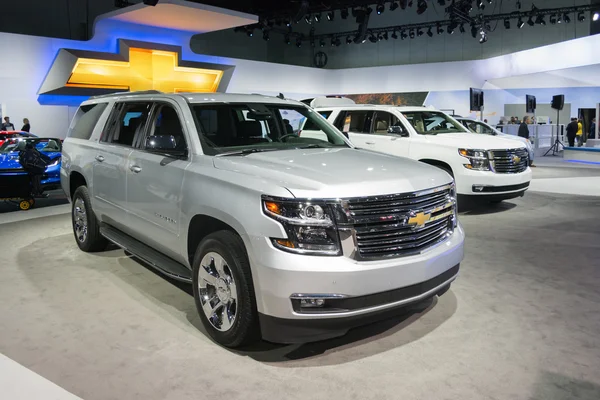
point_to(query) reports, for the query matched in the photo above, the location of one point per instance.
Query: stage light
(530, 22)
(489, 1)
(420, 32)
(566, 18)
(429, 33)
(442, 2)
(348, 40)
(322, 43)
(518, 5)
(287, 39)
(298, 42)
(332, 42)
(552, 19)
(421, 6)
(312, 42)
(288, 23)
(380, 8)
(266, 35)
(338, 42)
(596, 17)
(250, 32)
(385, 36)
(318, 17)
(540, 20)
(330, 15)
(520, 23)
(394, 35)
(483, 38)
(344, 13)
(581, 16)
(308, 19)
(558, 19)
(473, 31)
(373, 38)
(393, 6)
(480, 4)
(506, 23)
(439, 29)
(411, 33)
(403, 4)
(462, 28)
(403, 35)
(452, 26)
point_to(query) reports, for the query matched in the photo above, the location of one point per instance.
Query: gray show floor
(521, 322)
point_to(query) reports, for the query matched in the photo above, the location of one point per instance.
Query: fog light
(478, 188)
(311, 303)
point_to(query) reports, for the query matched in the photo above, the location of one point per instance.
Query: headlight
(309, 226)
(54, 163)
(478, 159)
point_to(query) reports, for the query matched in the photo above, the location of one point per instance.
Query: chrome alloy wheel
(217, 291)
(80, 220)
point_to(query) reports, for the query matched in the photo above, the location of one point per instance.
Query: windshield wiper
(312, 146)
(244, 152)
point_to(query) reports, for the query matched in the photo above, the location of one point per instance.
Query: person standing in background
(523, 128)
(592, 134)
(7, 125)
(579, 133)
(572, 132)
(26, 126)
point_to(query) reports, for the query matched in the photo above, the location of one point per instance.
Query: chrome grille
(511, 161)
(403, 224)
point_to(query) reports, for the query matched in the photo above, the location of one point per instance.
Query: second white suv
(489, 167)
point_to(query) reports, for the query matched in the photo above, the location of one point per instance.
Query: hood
(467, 140)
(335, 173)
(11, 160)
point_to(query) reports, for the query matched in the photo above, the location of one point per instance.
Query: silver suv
(286, 238)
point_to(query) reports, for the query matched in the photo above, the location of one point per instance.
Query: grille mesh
(509, 161)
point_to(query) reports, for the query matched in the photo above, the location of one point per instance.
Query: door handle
(99, 158)
(369, 142)
(135, 168)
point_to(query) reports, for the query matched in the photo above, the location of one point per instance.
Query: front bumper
(468, 182)
(370, 286)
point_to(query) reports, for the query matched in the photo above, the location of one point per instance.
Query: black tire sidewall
(231, 248)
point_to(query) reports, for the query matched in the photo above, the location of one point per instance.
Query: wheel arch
(76, 179)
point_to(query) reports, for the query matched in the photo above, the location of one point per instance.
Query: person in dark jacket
(572, 128)
(26, 126)
(524, 129)
(592, 134)
(34, 163)
(7, 125)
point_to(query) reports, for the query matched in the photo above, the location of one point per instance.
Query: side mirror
(164, 144)
(397, 130)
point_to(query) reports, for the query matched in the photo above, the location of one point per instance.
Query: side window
(166, 122)
(310, 125)
(126, 123)
(357, 122)
(85, 120)
(382, 122)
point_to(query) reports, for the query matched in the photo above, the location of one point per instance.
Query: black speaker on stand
(558, 102)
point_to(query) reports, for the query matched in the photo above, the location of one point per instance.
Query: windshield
(432, 122)
(232, 128)
(42, 145)
(478, 127)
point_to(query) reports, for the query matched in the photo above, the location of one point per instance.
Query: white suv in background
(290, 238)
(489, 167)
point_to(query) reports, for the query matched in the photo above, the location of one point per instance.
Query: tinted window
(382, 122)
(85, 120)
(126, 123)
(233, 127)
(166, 122)
(357, 122)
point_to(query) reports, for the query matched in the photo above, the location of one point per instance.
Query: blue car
(14, 181)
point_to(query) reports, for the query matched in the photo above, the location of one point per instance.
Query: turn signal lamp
(273, 207)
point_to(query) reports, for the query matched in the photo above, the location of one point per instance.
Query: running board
(155, 259)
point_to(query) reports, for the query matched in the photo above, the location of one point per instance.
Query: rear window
(85, 120)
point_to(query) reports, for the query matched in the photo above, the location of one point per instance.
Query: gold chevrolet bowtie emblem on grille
(419, 219)
(516, 159)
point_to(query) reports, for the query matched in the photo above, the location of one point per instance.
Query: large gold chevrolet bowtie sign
(137, 66)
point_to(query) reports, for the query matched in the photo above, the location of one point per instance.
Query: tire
(234, 319)
(86, 228)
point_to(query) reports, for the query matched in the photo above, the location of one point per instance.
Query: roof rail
(123, 93)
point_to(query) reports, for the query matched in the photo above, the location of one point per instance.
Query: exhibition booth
(506, 79)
